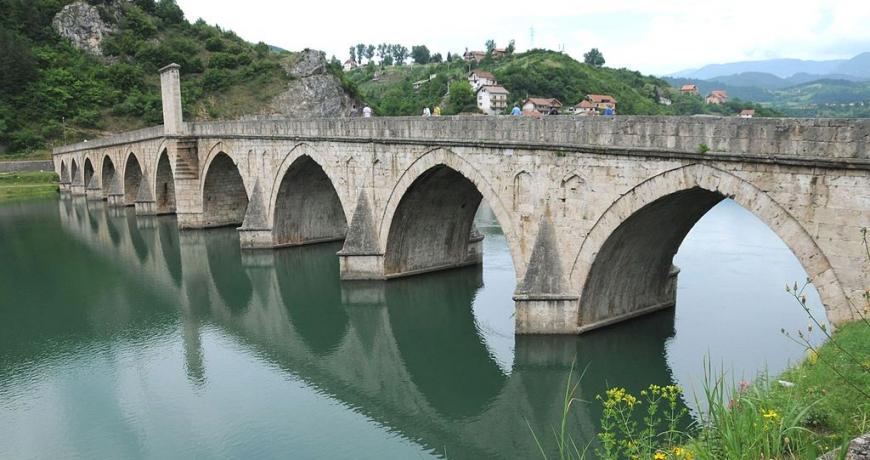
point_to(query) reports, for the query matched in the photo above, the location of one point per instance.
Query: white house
(349, 64)
(747, 113)
(492, 99)
(480, 78)
(541, 104)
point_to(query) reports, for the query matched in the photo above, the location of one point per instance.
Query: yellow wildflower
(812, 356)
(770, 415)
(660, 456)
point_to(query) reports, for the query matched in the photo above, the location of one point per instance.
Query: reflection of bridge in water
(406, 354)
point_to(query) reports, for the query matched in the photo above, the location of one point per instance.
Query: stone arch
(87, 171)
(64, 172)
(132, 179)
(624, 265)
(224, 195)
(107, 175)
(164, 184)
(305, 206)
(74, 170)
(418, 200)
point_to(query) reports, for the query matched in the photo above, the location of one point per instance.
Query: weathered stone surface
(81, 24)
(859, 449)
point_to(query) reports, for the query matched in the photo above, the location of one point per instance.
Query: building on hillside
(479, 78)
(584, 108)
(541, 104)
(478, 56)
(492, 99)
(532, 113)
(747, 113)
(602, 101)
(717, 96)
(349, 64)
(690, 89)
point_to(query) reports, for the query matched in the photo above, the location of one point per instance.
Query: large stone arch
(107, 175)
(164, 183)
(305, 206)
(133, 177)
(224, 194)
(624, 265)
(439, 178)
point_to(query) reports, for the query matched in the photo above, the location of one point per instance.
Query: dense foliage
(51, 92)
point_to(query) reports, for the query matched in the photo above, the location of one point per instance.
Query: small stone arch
(629, 230)
(88, 172)
(224, 193)
(74, 172)
(64, 173)
(107, 175)
(133, 175)
(428, 163)
(164, 183)
(570, 190)
(305, 205)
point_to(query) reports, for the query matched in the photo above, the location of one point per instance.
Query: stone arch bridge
(593, 209)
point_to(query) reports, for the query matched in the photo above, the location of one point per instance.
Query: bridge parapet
(129, 137)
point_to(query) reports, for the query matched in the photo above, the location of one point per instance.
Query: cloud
(651, 36)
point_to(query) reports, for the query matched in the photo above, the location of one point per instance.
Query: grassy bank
(19, 185)
(814, 407)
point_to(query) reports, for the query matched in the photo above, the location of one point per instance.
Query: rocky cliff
(82, 25)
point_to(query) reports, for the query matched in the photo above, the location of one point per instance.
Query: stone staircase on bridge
(186, 160)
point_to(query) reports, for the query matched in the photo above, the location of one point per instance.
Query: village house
(478, 56)
(747, 113)
(541, 104)
(717, 96)
(690, 89)
(479, 78)
(601, 101)
(584, 108)
(492, 99)
(349, 64)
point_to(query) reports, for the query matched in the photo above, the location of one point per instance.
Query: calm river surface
(122, 337)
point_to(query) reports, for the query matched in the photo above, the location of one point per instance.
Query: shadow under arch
(625, 263)
(430, 212)
(132, 179)
(310, 289)
(306, 206)
(74, 170)
(224, 255)
(224, 197)
(88, 171)
(438, 339)
(164, 184)
(64, 173)
(107, 176)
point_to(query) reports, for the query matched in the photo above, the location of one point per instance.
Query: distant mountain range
(856, 68)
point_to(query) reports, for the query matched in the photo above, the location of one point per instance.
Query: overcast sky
(653, 36)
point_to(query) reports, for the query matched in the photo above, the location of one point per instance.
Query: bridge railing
(129, 137)
(841, 140)
(808, 138)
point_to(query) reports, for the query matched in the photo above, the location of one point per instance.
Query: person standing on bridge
(437, 112)
(367, 111)
(426, 112)
(516, 112)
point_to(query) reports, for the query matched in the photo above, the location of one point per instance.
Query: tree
(17, 64)
(436, 58)
(387, 60)
(594, 58)
(400, 53)
(360, 52)
(490, 45)
(420, 54)
(449, 57)
(352, 51)
(512, 46)
(370, 52)
(461, 98)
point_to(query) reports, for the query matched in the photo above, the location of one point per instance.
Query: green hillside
(541, 73)
(51, 92)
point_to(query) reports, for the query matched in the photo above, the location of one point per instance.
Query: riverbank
(21, 185)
